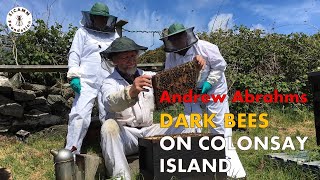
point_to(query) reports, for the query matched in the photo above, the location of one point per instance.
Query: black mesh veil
(87, 21)
(179, 41)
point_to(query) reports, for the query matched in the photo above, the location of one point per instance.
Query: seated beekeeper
(128, 96)
(181, 46)
(86, 70)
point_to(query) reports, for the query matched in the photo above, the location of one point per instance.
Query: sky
(283, 17)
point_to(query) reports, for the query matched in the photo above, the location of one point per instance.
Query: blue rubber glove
(75, 85)
(206, 87)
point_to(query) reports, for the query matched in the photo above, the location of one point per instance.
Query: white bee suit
(214, 74)
(127, 120)
(85, 62)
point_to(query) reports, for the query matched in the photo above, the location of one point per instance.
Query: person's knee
(110, 127)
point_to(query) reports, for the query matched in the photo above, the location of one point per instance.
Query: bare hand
(138, 85)
(201, 61)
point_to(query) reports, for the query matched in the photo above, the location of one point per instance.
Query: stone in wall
(36, 119)
(5, 86)
(40, 90)
(9, 107)
(23, 95)
(39, 103)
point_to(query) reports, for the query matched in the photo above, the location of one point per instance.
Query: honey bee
(19, 20)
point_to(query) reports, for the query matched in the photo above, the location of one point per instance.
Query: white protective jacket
(214, 74)
(137, 112)
(214, 69)
(84, 56)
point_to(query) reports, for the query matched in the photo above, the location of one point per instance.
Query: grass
(281, 124)
(32, 160)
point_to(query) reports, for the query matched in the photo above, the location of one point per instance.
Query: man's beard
(131, 71)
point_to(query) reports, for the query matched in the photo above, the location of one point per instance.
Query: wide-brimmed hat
(99, 9)
(175, 28)
(122, 44)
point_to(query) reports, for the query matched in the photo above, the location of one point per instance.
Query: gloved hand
(206, 87)
(75, 84)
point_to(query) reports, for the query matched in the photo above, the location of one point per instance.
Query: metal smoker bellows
(64, 164)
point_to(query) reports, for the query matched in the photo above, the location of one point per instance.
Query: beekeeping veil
(178, 38)
(99, 9)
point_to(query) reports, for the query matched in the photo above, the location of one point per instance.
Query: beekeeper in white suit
(128, 96)
(181, 46)
(87, 70)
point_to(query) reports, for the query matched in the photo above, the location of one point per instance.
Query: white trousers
(117, 141)
(220, 109)
(80, 115)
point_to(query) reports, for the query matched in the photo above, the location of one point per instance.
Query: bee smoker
(64, 164)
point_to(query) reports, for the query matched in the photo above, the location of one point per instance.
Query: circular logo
(19, 19)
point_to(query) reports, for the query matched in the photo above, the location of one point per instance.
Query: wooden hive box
(150, 154)
(314, 79)
(177, 80)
